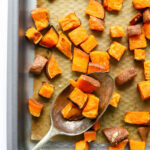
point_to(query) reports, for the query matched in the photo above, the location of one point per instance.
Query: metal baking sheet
(20, 82)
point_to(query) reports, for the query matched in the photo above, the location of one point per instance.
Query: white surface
(3, 57)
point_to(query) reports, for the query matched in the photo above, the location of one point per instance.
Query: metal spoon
(60, 126)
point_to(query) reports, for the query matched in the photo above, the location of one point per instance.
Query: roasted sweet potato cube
(33, 35)
(46, 90)
(140, 4)
(96, 126)
(136, 19)
(71, 21)
(147, 69)
(117, 31)
(137, 41)
(101, 58)
(52, 68)
(139, 54)
(96, 24)
(95, 68)
(78, 35)
(134, 30)
(146, 15)
(64, 45)
(115, 99)
(136, 145)
(91, 108)
(116, 50)
(80, 61)
(146, 30)
(38, 65)
(119, 146)
(41, 18)
(35, 107)
(89, 44)
(82, 145)
(141, 118)
(78, 97)
(116, 134)
(90, 136)
(143, 132)
(95, 9)
(71, 112)
(50, 39)
(144, 89)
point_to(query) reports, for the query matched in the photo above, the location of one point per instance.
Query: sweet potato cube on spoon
(96, 126)
(139, 54)
(115, 99)
(95, 68)
(136, 145)
(143, 132)
(90, 136)
(82, 145)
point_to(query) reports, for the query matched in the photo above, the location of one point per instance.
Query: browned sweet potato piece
(146, 30)
(146, 15)
(147, 69)
(136, 19)
(116, 134)
(78, 97)
(96, 126)
(71, 112)
(82, 145)
(141, 118)
(33, 35)
(136, 145)
(80, 61)
(38, 64)
(89, 44)
(35, 107)
(78, 35)
(115, 99)
(41, 18)
(144, 131)
(139, 54)
(117, 31)
(91, 108)
(125, 76)
(95, 9)
(52, 68)
(140, 4)
(95, 68)
(96, 24)
(50, 39)
(134, 30)
(64, 45)
(90, 136)
(46, 90)
(71, 21)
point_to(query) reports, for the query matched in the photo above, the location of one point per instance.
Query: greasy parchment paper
(130, 98)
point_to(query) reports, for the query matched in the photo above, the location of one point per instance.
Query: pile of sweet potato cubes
(83, 103)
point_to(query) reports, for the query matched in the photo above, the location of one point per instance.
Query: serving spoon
(61, 126)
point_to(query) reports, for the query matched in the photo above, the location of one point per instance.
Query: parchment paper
(130, 97)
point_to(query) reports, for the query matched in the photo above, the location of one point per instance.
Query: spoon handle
(52, 132)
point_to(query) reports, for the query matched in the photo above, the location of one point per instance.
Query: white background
(3, 64)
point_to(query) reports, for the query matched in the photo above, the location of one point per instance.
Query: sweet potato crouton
(146, 15)
(101, 58)
(115, 99)
(96, 24)
(89, 44)
(147, 70)
(64, 45)
(95, 9)
(91, 108)
(38, 64)
(144, 89)
(78, 35)
(95, 68)
(33, 35)
(90, 136)
(35, 107)
(143, 132)
(116, 50)
(71, 112)
(116, 134)
(80, 61)
(146, 30)
(46, 90)
(82, 145)
(96, 126)
(137, 41)
(136, 145)
(134, 30)
(41, 18)
(117, 31)
(78, 97)
(140, 118)
(140, 4)
(139, 54)
(71, 21)
(52, 68)
(50, 39)
(136, 19)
